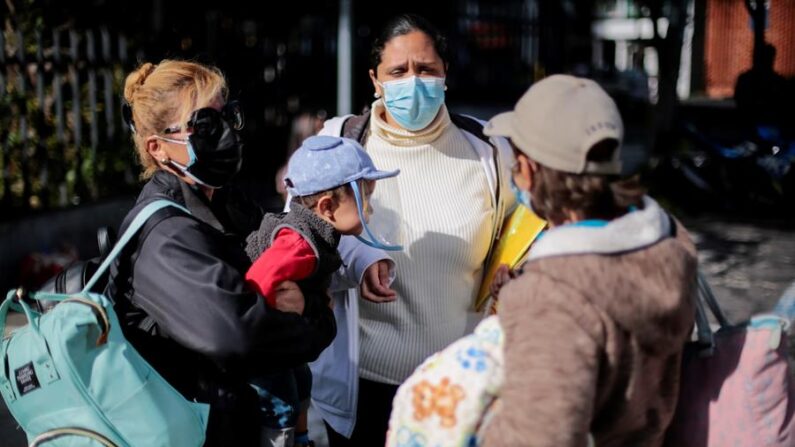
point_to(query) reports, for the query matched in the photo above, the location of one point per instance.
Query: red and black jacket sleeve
(289, 258)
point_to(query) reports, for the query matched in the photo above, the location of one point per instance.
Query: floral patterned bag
(447, 398)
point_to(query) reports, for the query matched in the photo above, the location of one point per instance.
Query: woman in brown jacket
(596, 320)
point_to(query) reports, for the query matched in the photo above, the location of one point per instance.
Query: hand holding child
(501, 277)
(289, 298)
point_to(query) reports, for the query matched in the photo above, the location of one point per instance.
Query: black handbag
(74, 277)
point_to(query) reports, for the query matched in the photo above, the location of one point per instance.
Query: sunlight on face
(411, 54)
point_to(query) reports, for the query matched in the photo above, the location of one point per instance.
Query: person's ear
(378, 91)
(533, 165)
(523, 172)
(326, 206)
(156, 150)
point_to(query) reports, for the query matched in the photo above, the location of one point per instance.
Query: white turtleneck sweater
(444, 204)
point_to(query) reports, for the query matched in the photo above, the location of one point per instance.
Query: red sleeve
(289, 258)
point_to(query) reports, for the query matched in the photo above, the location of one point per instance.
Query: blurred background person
(303, 126)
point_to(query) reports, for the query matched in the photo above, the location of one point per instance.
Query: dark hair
(592, 196)
(309, 201)
(402, 25)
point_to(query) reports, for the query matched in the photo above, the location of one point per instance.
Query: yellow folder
(521, 228)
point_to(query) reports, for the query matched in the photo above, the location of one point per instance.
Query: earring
(376, 95)
(164, 160)
(445, 87)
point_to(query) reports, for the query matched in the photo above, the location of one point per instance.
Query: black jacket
(182, 300)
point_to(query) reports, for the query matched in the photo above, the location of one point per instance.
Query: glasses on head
(206, 120)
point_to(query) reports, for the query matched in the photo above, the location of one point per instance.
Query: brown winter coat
(594, 335)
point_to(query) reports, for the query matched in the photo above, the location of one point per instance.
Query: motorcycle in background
(753, 176)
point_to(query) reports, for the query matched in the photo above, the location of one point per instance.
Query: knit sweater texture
(445, 208)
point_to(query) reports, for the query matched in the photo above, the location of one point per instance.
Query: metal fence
(63, 64)
(62, 139)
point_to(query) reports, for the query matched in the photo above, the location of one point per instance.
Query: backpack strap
(147, 323)
(355, 127)
(705, 336)
(472, 126)
(140, 219)
(161, 215)
(52, 435)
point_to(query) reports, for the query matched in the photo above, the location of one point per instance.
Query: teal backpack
(70, 378)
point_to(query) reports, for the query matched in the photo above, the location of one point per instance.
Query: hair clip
(127, 115)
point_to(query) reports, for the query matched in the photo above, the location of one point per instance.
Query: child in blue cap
(330, 180)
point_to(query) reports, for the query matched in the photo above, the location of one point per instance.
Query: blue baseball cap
(324, 162)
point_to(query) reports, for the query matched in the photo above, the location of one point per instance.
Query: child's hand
(289, 298)
(501, 277)
(375, 283)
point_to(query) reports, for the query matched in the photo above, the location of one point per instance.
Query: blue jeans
(281, 395)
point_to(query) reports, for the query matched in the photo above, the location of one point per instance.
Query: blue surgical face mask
(522, 196)
(414, 102)
(185, 169)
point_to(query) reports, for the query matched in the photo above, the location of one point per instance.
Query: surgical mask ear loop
(374, 243)
(191, 160)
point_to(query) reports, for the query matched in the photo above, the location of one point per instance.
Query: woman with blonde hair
(180, 290)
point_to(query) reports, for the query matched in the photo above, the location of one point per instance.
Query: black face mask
(216, 146)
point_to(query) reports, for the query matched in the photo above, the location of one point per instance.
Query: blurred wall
(730, 42)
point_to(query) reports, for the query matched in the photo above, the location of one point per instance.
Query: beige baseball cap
(558, 120)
